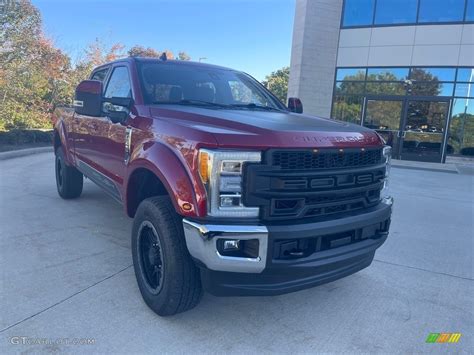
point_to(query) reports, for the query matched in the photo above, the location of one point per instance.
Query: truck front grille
(292, 184)
(310, 160)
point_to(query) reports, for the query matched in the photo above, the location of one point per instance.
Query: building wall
(319, 46)
(425, 45)
(314, 54)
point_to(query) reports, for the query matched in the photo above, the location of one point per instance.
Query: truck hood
(254, 128)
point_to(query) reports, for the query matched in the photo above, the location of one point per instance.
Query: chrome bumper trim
(201, 240)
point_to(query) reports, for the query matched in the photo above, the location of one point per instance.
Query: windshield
(168, 83)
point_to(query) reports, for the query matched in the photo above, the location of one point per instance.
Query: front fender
(174, 173)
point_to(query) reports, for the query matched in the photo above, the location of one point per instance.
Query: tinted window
(389, 74)
(358, 12)
(465, 90)
(100, 75)
(395, 11)
(428, 74)
(351, 74)
(470, 10)
(466, 74)
(441, 10)
(347, 108)
(119, 84)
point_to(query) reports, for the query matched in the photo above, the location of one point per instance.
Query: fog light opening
(238, 248)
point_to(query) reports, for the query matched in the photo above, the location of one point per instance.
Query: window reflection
(358, 12)
(379, 88)
(386, 88)
(429, 74)
(464, 90)
(470, 10)
(461, 128)
(347, 108)
(441, 10)
(466, 74)
(395, 11)
(387, 74)
(432, 89)
(350, 88)
(391, 12)
(351, 74)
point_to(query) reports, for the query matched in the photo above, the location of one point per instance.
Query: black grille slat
(333, 159)
(293, 184)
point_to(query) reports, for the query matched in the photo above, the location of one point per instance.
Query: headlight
(221, 173)
(387, 156)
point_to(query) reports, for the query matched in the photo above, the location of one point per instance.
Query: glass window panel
(119, 84)
(461, 128)
(388, 74)
(432, 89)
(349, 88)
(376, 88)
(441, 10)
(347, 108)
(383, 114)
(351, 74)
(429, 74)
(466, 74)
(358, 12)
(470, 10)
(395, 11)
(464, 90)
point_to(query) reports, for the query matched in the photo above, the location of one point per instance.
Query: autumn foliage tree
(140, 51)
(32, 71)
(35, 76)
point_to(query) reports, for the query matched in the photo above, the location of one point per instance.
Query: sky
(249, 35)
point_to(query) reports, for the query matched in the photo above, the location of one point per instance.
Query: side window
(119, 84)
(100, 75)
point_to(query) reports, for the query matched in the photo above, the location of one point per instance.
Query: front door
(424, 130)
(415, 128)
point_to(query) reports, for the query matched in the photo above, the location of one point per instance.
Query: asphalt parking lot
(67, 276)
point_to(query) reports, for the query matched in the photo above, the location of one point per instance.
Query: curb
(448, 171)
(24, 152)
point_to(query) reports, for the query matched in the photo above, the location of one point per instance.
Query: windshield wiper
(191, 103)
(252, 106)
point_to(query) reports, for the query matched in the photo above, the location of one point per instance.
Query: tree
(32, 71)
(183, 56)
(98, 53)
(277, 83)
(140, 51)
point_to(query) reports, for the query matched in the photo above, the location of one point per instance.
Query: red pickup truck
(230, 190)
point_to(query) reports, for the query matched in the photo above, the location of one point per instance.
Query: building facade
(402, 67)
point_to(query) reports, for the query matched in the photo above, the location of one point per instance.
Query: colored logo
(443, 337)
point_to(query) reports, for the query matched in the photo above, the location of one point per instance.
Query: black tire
(158, 244)
(69, 180)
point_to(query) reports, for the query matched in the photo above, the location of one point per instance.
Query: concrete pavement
(67, 278)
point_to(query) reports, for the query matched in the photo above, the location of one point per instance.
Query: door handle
(402, 134)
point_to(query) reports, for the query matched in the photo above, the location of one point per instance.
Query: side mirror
(295, 105)
(117, 109)
(88, 98)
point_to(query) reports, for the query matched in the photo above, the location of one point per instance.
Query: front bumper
(269, 273)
